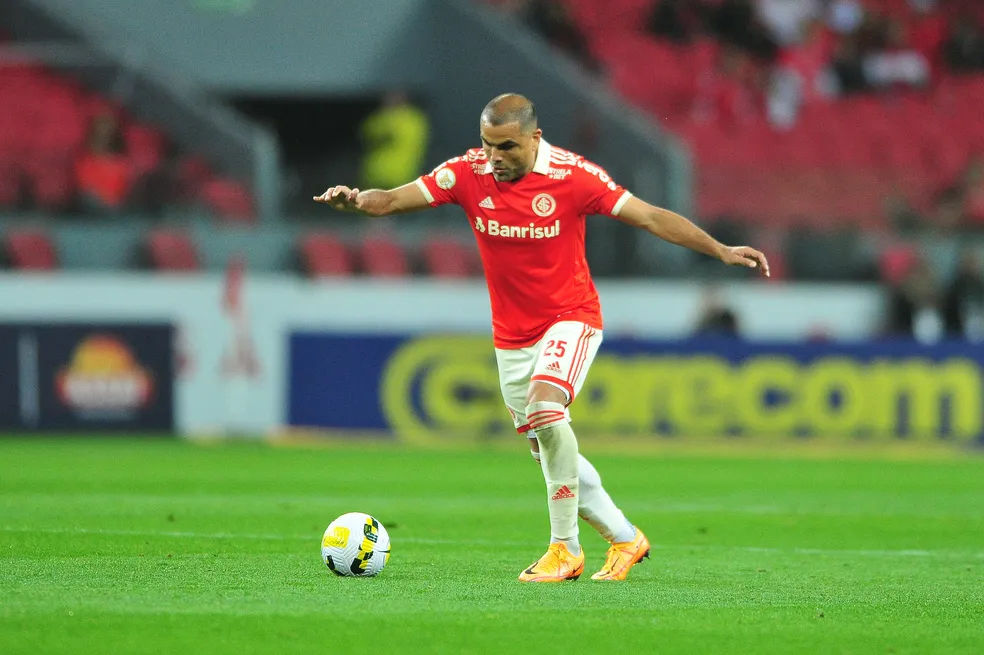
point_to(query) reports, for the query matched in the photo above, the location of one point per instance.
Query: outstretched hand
(340, 197)
(745, 256)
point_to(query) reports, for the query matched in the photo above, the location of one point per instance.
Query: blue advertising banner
(437, 385)
(87, 377)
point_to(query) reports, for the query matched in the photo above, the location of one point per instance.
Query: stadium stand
(44, 122)
(841, 157)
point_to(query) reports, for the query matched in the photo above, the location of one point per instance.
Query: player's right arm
(435, 188)
(375, 202)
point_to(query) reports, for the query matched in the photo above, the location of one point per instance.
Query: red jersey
(530, 234)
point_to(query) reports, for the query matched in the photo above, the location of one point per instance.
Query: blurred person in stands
(526, 202)
(897, 63)
(845, 16)
(845, 19)
(103, 173)
(913, 310)
(963, 48)
(928, 28)
(963, 304)
(847, 67)
(716, 318)
(736, 22)
(801, 75)
(676, 20)
(787, 19)
(395, 139)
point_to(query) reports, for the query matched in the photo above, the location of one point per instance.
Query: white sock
(559, 461)
(597, 508)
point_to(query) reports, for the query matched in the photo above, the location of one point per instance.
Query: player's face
(510, 152)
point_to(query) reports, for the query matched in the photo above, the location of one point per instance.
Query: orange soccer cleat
(556, 566)
(622, 557)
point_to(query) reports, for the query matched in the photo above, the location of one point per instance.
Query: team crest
(544, 205)
(445, 178)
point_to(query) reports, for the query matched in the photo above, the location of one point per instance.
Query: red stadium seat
(228, 200)
(448, 258)
(172, 251)
(51, 180)
(324, 255)
(382, 256)
(31, 250)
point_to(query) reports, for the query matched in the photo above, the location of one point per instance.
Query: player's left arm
(674, 228)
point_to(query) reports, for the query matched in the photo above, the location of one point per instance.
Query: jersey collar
(542, 163)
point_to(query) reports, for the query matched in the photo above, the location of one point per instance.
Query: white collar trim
(542, 163)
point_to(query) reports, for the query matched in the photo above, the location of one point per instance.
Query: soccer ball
(355, 545)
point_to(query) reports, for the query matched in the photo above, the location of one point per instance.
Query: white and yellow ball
(355, 545)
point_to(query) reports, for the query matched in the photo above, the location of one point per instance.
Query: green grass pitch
(134, 546)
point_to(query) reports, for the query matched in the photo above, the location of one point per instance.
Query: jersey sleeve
(597, 192)
(441, 185)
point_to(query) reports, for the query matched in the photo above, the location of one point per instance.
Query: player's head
(510, 136)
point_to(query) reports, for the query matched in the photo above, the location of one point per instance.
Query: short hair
(511, 108)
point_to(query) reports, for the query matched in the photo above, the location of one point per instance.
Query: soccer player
(526, 201)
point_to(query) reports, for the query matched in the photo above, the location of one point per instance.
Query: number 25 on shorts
(555, 348)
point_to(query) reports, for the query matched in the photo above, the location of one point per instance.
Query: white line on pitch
(908, 552)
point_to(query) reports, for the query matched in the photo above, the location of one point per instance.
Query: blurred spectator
(103, 172)
(676, 20)
(845, 16)
(914, 306)
(963, 49)
(716, 319)
(735, 22)
(847, 67)
(963, 305)
(787, 19)
(929, 33)
(872, 34)
(395, 138)
(898, 63)
(800, 76)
